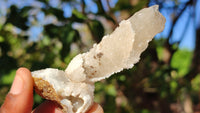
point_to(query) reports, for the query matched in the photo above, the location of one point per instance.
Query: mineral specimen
(73, 89)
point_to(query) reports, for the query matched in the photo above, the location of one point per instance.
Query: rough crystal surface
(117, 51)
(121, 49)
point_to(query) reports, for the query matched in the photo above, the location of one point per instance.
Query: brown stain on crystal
(46, 90)
(99, 55)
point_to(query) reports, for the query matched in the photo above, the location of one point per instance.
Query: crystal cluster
(73, 89)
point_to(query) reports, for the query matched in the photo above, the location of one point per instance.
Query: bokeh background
(38, 34)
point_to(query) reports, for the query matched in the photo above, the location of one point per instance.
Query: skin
(20, 97)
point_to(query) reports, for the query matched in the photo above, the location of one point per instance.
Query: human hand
(20, 97)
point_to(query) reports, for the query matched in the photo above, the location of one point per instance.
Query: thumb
(20, 97)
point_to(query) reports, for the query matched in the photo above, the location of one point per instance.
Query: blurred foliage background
(38, 34)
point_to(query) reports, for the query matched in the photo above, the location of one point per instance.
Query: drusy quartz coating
(73, 89)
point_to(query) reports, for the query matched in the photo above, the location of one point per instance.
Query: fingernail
(17, 85)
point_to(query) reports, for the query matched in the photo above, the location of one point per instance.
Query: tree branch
(100, 5)
(177, 17)
(195, 66)
(167, 44)
(83, 6)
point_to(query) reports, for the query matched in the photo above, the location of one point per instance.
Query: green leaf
(8, 78)
(97, 30)
(18, 17)
(59, 13)
(110, 89)
(78, 16)
(196, 83)
(181, 60)
(1, 39)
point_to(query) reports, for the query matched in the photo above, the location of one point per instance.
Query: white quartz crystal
(117, 51)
